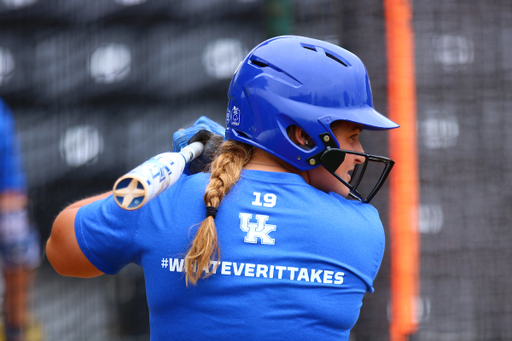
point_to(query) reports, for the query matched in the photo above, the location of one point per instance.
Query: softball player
(268, 245)
(19, 242)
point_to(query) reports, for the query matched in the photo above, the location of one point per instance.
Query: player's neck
(264, 161)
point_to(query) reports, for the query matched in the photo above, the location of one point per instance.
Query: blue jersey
(295, 261)
(12, 176)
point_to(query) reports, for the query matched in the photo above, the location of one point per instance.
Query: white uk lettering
(258, 230)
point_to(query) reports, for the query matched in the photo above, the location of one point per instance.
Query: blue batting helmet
(309, 83)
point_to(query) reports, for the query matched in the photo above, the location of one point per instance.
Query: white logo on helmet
(235, 116)
(228, 116)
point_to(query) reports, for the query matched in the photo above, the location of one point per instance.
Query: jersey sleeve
(365, 233)
(373, 243)
(12, 175)
(107, 235)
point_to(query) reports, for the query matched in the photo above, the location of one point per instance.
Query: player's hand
(211, 144)
(199, 132)
(181, 137)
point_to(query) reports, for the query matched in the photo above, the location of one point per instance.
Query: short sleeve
(106, 235)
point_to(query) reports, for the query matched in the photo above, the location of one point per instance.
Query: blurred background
(99, 86)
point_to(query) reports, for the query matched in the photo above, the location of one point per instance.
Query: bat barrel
(144, 183)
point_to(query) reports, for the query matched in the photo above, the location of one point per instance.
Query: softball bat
(144, 183)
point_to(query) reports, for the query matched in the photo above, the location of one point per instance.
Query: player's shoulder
(188, 184)
(189, 189)
(355, 205)
(195, 179)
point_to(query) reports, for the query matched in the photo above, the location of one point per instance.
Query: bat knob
(129, 193)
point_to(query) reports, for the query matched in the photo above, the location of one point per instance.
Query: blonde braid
(225, 172)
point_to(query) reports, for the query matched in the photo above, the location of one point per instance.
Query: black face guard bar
(332, 158)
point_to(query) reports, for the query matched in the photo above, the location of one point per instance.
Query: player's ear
(300, 137)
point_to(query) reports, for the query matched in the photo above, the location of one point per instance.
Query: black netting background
(99, 86)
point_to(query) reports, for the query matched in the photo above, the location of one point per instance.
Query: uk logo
(235, 116)
(258, 230)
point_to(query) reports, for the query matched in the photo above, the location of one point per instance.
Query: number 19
(269, 199)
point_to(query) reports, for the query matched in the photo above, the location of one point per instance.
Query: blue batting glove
(205, 130)
(181, 137)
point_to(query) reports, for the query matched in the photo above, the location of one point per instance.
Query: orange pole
(404, 179)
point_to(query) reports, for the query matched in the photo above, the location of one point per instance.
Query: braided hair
(225, 172)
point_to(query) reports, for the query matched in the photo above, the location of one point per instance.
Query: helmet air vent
(259, 63)
(276, 72)
(334, 58)
(330, 55)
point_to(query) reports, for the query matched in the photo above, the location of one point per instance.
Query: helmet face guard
(332, 158)
(298, 81)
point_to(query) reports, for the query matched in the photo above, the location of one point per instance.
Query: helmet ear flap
(332, 159)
